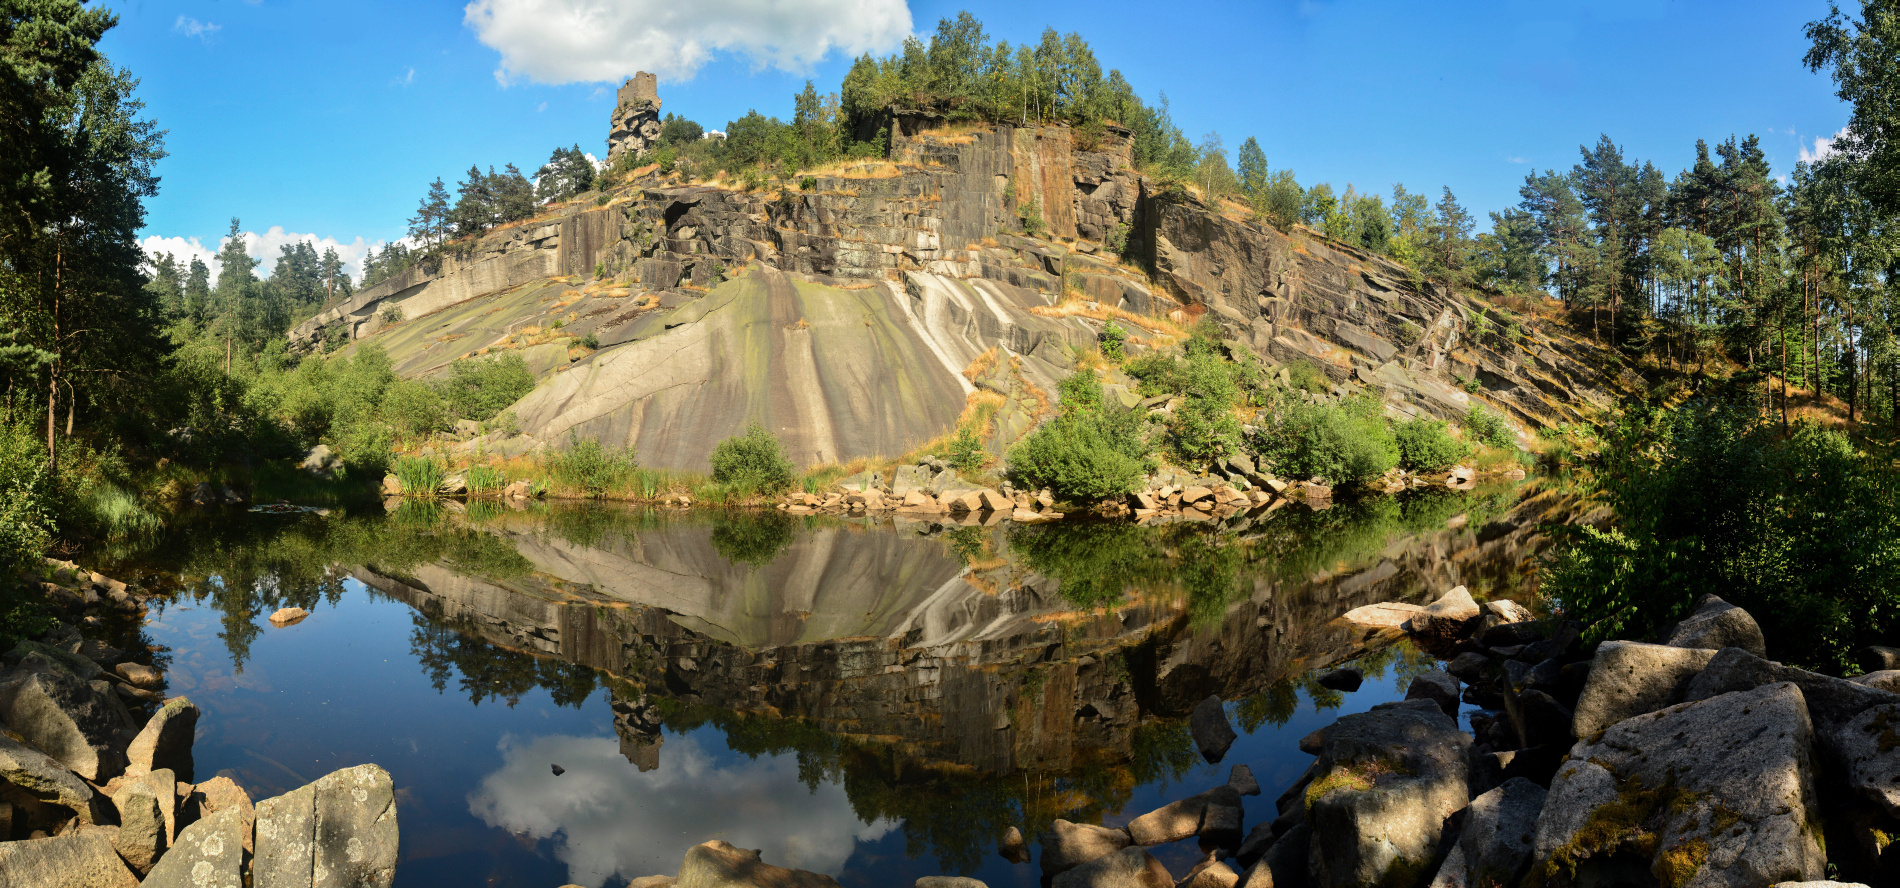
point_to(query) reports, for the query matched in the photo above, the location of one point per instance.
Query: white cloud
(265, 247)
(567, 41)
(1823, 148)
(606, 817)
(1517, 160)
(191, 27)
(409, 77)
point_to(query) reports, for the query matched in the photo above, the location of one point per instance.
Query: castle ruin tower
(635, 125)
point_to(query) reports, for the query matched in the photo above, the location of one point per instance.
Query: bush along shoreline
(97, 782)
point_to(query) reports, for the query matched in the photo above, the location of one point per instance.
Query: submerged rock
(1384, 615)
(1716, 792)
(1212, 734)
(288, 616)
(1388, 779)
(1716, 624)
(1347, 679)
(1011, 846)
(717, 864)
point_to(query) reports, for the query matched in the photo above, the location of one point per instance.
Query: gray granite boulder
(1885, 680)
(143, 833)
(1832, 702)
(1285, 863)
(1388, 779)
(1712, 793)
(338, 831)
(1494, 847)
(208, 854)
(1715, 625)
(1067, 845)
(1630, 678)
(285, 835)
(1180, 819)
(1012, 847)
(165, 741)
(68, 719)
(83, 858)
(945, 882)
(37, 776)
(1131, 867)
(1241, 778)
(717, 864)
(1438, 686)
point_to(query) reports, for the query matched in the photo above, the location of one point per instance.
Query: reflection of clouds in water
(613, 819)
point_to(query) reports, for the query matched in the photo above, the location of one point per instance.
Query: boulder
(717, 864)
(208, 854)
(286, 616)
(320, 460)
(1445, 622)
(1128, 868)
(1242, 780)
(1832, 702)
(1817, 885)
(341, 828)
(1255, 845)
(1067, 845)
(1630, 678)
(143, 834)
(1868, 746)
(1388, 779)
(1208, 725)
(1469, 667)
(1012, 847)
(945, 882)
(1180, 819)
(1210, 873)
(392, 486)
(1714, 792)
(83, 858)
(1286, 862)
(1438, 686)
(1346, 678)
(1544, 721)
(165, 742)
(222, 794)
(77, 724)
(1875, 658)
(1884, 680)
(1494, 847)
(37, 776)
(1196, 494)
(1715, 625)
(990, 501)
(1508, 611)
(1221, 825)
(1384, 615)
(454, 485)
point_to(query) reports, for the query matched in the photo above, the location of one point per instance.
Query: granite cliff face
(849, 311)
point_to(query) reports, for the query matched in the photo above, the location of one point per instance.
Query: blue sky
(327, 121)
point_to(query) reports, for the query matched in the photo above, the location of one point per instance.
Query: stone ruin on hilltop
(635, 125)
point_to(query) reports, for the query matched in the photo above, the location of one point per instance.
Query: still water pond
(873, 700)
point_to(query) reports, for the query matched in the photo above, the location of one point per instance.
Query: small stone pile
(97, 779)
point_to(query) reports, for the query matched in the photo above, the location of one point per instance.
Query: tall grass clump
(590, 468)
(1489, 428)
(421, 476)
(753, 463)
(484, 480)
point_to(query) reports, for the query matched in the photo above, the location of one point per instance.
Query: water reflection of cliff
(1001, 649)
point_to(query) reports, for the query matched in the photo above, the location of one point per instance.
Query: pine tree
(198, 292)
(167, 286)
(1449, 240)
(1251, 166)
(429, 226)
(513, 195)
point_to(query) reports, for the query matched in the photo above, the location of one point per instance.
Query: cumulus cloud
(1823, 148)
(568, 41)
(265, 247)
(605, 817)
(191, 27)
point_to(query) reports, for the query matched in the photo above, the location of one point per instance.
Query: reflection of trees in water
(486, 672)
(752, 537)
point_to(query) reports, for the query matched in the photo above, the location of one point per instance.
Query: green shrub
(1113, 340)
(965, 452)
(1155, 373)
(750, 537)
(480, 388)
(421, 476)
(1203, 427)
(1802, 531)
(589, 467)
(1489, 428)
(484, 479)
(1343, 443)
(754, 462)
(808, 183)
(364, 447)
(1426, 446)
(416, 409)
(392, 314)
(1305, 377)
(1091, 451)
(591, 341)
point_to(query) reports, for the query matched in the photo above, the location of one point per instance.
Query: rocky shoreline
(98, 787)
